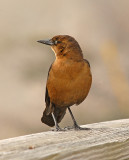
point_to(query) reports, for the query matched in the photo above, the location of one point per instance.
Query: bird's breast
(69, 82)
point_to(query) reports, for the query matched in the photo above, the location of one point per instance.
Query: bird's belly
(66, 92)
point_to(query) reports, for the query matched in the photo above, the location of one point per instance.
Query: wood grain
(105, 141)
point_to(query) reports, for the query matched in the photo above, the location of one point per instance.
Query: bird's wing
(51, 107)
(47, 117)
(47, 98)
(87, 62)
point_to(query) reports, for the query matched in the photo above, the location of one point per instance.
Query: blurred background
(102, 29)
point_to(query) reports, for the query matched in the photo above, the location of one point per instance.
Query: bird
(68, 83)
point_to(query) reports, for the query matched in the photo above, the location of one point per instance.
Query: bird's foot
(57, 129)
(76, 127)
(68, 128)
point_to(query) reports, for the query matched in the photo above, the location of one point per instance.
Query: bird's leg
(76, 126)
(56, 124)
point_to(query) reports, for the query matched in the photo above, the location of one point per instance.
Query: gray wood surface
(105, 141)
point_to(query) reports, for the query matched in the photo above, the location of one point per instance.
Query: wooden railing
(104, 141)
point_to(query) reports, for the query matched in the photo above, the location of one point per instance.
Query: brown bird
(69, 80)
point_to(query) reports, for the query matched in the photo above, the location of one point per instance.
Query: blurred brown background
(102, 29)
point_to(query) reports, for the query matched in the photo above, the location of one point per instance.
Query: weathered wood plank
(105, 141)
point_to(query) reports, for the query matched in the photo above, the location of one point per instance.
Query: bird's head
(64, 46)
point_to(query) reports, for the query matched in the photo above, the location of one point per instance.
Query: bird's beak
(47, 42)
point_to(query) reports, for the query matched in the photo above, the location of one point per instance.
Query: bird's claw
(76, 127)
(68, 128)
(57, 129)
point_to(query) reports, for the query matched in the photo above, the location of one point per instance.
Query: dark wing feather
(87, 62)
(47, 98)
(47, 117)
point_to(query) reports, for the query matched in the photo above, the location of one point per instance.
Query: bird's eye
(56, 42)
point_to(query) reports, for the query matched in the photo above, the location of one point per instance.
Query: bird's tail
(59, 113)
